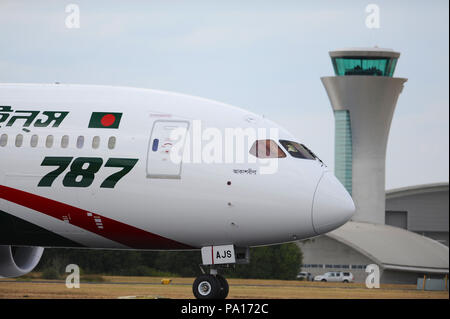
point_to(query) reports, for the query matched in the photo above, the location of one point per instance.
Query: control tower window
(267, 149)
(372, 66)
(297, 150)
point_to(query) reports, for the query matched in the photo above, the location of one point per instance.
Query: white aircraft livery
(96, 167)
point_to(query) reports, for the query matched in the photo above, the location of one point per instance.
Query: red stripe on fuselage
(119, 232)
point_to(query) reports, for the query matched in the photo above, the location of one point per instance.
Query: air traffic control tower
(363, 94)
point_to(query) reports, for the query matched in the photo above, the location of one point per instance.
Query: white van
(335, 276)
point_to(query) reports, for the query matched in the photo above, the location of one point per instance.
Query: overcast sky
(264, 56)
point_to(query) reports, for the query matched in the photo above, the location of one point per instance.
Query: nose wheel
(210, 287)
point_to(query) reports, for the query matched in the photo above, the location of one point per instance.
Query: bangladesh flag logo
(105, 120)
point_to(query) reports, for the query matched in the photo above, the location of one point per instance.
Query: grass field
(181, 288)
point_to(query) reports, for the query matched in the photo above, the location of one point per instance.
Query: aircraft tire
(224, 288)
(206, 287)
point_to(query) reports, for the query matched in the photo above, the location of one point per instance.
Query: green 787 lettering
(83, 169)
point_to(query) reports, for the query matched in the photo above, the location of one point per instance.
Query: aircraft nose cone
(333, 206)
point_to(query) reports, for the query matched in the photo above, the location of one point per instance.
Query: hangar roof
(417, 189)
(393, 247)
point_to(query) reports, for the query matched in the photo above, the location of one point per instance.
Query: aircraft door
(165, 149)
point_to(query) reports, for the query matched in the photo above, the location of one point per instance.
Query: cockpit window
(267, 149)
(312, 154)
(297, 150)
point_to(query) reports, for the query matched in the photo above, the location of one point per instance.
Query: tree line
(271, 262)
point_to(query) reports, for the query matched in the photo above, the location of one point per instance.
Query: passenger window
(96, 142)
(112, 142)
(3, 140)
(19, 140)
(80, 141)
(65, 141)
(34, 141)
(266, 149)
(49, 141)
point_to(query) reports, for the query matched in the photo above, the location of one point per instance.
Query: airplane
(86, 166)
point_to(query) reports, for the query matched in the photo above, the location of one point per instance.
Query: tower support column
(370, 102)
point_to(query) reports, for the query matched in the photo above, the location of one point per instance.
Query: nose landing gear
(213, 285)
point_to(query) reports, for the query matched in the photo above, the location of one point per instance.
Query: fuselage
(111, 186)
